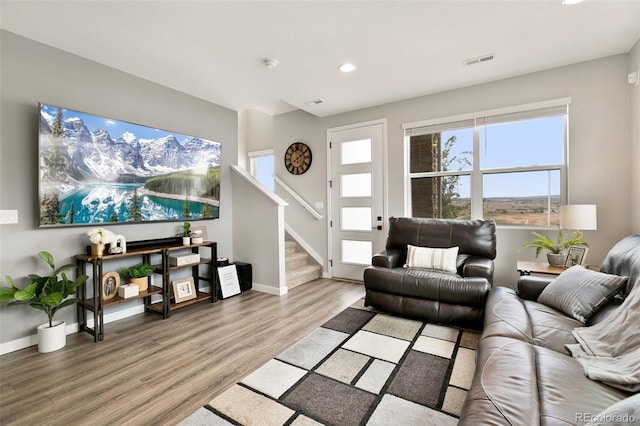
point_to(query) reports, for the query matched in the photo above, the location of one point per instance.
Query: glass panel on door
(356, 218)
(357, 252)
(355, 185)
(355, 152)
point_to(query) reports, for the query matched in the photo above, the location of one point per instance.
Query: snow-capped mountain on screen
(97, 155)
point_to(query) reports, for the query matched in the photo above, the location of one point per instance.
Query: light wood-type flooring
(150, 371)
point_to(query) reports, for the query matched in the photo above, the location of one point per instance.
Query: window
(506, 165)
(261, 166)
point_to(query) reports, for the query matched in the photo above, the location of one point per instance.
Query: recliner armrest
(530, 286)
(387, 259)
(478, 266)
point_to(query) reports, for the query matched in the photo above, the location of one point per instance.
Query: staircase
(300, 268)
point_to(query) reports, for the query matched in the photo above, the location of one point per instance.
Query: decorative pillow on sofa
(580, 292)
(432, 258)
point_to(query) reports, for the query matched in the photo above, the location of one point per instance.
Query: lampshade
(578, 216)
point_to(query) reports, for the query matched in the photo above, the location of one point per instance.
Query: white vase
(52, 338)
(186, 241)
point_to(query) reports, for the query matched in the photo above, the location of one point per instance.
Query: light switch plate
(8, 217)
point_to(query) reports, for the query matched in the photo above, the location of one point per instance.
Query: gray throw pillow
(580, 292)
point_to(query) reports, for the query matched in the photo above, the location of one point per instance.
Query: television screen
(97, 170)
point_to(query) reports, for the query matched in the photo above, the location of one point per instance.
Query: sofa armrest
(478, 266)
(530, 286)
(387, 259)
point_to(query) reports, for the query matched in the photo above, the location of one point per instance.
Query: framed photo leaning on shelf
(577, 256)
(183, 289)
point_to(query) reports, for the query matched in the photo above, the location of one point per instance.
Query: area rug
(360, 368)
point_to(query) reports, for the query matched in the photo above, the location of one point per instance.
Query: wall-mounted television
(98, 170)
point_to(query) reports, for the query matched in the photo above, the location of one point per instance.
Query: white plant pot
(186, 241)
(51, 338)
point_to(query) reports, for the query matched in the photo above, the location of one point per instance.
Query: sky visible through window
(535, 142)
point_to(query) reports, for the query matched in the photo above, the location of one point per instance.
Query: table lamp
(579, 217)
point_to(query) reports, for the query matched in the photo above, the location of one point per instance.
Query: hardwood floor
(154, 371)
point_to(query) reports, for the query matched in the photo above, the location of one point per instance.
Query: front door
(357, 222)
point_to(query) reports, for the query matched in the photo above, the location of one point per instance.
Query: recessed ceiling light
(347, 67)
(571, 2)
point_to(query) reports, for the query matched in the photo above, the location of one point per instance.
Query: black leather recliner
(428, 294)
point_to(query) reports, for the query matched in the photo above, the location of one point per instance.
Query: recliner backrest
(474, 237)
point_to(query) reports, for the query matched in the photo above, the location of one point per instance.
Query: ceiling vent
(479, 59)
(314, 102)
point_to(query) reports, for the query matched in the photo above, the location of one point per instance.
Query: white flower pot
(51, 338)
(186, 241)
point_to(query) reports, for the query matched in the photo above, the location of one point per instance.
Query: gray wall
(32, 73)
(599, 159)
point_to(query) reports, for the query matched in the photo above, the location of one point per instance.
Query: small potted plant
(186, 234)
(138, 274)
(47, 293)
(557, 249)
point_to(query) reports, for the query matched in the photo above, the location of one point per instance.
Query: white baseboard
(269, 289)
(32, 340)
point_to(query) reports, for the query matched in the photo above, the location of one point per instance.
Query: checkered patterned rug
(361, 367)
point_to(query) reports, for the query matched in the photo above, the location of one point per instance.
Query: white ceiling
(215, 49)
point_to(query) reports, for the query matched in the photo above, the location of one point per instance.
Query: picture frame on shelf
(577, 255)
(183, 289)
(110, 284)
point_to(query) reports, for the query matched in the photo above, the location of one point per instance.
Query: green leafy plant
(542, 242)
(186, 229)
(47, 293)
(138, 270)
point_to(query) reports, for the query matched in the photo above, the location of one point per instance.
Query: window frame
(253, 161)
(476, 173)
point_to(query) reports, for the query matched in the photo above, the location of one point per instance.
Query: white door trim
(384, 169)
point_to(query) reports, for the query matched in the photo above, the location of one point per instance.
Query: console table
(93, 301)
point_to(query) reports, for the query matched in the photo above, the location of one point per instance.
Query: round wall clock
(110, 284)
(297, 158)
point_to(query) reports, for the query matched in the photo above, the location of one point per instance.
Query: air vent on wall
(314, 102)
(479, 59)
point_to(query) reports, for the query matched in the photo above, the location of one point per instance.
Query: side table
(527, 267)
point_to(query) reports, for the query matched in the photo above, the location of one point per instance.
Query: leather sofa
(456, 298)
(524, 373)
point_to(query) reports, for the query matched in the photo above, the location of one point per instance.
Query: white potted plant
(186, 234)
(47, 293)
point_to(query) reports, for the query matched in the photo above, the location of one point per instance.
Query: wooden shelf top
(532, 267)
(140, 251)
(117, 299)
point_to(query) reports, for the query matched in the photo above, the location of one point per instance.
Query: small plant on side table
(186, 233)
(557, 249)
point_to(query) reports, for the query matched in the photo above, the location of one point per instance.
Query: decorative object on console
(183, 289)
(46, 293)
(91, 173)
(138, 274)
(203, 233)
(99, 238)
(119, 245)
(128, 290)
(297, 158)
(183, 260)
(110, 284)
(196, 236)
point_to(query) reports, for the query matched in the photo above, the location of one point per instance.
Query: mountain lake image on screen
(95, 169)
